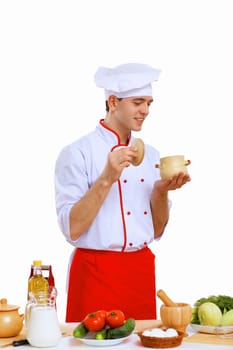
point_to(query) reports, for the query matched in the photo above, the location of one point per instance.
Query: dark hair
(107, 106)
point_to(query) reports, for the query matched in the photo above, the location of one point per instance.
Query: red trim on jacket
(123, 217)
(119, 184)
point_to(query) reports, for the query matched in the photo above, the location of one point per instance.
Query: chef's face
(131, 112)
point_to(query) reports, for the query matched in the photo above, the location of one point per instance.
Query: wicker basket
(157, 342)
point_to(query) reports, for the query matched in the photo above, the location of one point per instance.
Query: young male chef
(109, 209)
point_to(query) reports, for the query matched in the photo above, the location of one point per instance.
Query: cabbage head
(227, 318)
(209, 314)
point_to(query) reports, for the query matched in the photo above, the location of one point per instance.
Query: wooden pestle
(165, 299)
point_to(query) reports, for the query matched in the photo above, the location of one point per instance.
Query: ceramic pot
(11, 322)
(172, 165)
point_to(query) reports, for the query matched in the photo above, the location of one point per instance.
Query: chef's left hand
(173, 183)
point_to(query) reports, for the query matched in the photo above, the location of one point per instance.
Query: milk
(43, 326)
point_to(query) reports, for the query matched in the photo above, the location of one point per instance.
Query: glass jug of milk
(41, 319)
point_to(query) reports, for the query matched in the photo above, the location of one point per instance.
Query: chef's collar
(110, 135)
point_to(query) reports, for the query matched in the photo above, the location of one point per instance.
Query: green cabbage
(224, 302)
(227, 318)
(209, 314)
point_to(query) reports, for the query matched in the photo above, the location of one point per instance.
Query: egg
(171, 332)
(158, 332)
(155, 332)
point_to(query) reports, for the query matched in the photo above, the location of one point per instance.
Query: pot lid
(7, 307)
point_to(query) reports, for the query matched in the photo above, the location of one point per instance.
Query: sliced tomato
(94, 322)
(115, 318)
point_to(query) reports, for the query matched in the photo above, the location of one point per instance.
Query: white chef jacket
(124, 221)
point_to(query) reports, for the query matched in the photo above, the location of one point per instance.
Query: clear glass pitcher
(41, 319)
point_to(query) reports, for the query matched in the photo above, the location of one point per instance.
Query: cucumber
(80, 331)
(122, 331)
(101, 334)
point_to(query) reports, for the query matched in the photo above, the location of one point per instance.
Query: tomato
(102, 313)
(115, 318)
(94, 322)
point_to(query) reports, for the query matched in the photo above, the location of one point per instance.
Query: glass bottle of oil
(37, 283)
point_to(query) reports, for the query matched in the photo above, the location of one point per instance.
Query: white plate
(104, 342)
(211, 329)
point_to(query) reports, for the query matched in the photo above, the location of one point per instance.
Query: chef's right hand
(117, 161)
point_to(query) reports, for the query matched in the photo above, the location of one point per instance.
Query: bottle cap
(37, 262)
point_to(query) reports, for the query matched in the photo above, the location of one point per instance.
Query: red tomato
(115, 318)
(102, 313)
(94, 322)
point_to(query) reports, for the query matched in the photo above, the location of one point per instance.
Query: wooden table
(195, 341)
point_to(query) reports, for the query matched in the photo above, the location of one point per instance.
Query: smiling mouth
(139, 120)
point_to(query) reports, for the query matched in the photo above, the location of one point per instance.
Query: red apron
(112, 280)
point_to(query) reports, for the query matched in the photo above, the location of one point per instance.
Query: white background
(50, 51)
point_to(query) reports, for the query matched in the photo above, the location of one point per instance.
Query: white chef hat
(127, 80)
